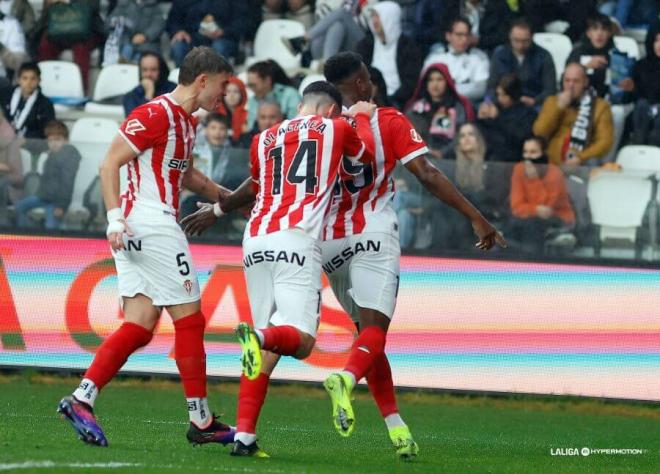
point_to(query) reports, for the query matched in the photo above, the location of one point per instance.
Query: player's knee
(306, 345)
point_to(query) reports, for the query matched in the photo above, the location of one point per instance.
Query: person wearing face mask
(395, 55)
(539, 200)
(577, 125)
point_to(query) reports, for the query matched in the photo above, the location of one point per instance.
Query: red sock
(112, 354)
(381, 385)
(251, 396)
(368, 346)
(283, 340)
(189, 354)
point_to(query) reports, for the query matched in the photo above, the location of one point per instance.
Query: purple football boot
(216, 432)
(81, 417)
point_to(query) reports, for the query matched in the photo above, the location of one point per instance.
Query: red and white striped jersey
(162, 135)
(362, 202)
(296, 164)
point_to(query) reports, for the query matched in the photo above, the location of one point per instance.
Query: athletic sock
(394, 421)
(109, 358)
(251, 396)
(381, 386)
(198, 412)
(368, 346)
(191, 362)
(283, 340)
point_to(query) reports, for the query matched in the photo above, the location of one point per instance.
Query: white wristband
(115, 227)
(217, 211)
(115, 214)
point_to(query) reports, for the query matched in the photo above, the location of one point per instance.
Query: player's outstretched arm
(205, 217)
(441, 187)
(363, 135)
(119, 154)
(200, 184)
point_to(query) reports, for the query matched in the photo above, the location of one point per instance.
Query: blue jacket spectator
(632, 13)
(215, 23)
(532, 64)
(153, 81)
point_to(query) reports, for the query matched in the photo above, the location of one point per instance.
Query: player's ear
(332, 111)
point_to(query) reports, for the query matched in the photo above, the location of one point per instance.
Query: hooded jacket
(239, 116)
(422, 112)
(136, 97)
(646, 73)
(398, 59)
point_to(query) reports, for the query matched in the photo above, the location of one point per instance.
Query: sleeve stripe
(130, 143)
(414, 154)
(359, 154)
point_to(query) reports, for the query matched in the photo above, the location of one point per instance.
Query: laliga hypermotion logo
(188, 286)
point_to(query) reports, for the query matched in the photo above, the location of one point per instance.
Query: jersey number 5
(307, 151)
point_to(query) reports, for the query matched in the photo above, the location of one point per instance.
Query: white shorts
(157, 261)
(363, 271)
(283, 272)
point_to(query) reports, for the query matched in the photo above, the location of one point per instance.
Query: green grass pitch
(145, 422)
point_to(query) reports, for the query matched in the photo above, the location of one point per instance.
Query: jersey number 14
(296, 174)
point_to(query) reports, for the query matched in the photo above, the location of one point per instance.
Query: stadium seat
(113, 81)
(91, 136)
(61, 79)
(26, 161)
(174, 76)
(308, 80)
(268, 43)
(558, 45)
(618, 204)
(627, 45)
(639, 157)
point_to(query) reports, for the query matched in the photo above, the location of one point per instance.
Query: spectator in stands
(437, 110)
(572, 141)
(495, 22)
(24, 13)
(233, 107)
(11, 168)
(268, 80)
(269, 113)
(55, 32)
(25, 107)
(12, 47)
(532, 64)
(298, 10)
(379, 88)
(539, 201)
(215, 23)
(396, 56)
(631, 13)
(408, 207)
(472, 177)
(646, 77)
(469, 67)
(508, 122)
(594, 54)
(431, 18)
(141, 24)
(336, 30)
(154, 81)
(56, 183)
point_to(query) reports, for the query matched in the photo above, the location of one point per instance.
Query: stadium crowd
(517, 131)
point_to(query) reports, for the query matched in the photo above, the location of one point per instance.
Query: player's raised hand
(488, 235)
(361, 107)
(117, 227)
(197, 222)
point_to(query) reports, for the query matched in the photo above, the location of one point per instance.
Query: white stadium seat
(627, 45)
(93, 130)
(618, 203)
(174, 76)
(639, 157)
(558, 45)
(61, 79)
(26, 161)
(116, 80)
(308, 80)
(268, 43)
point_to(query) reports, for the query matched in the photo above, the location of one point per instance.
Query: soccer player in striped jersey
(294, 167)
(154, 265)
(361, 247)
